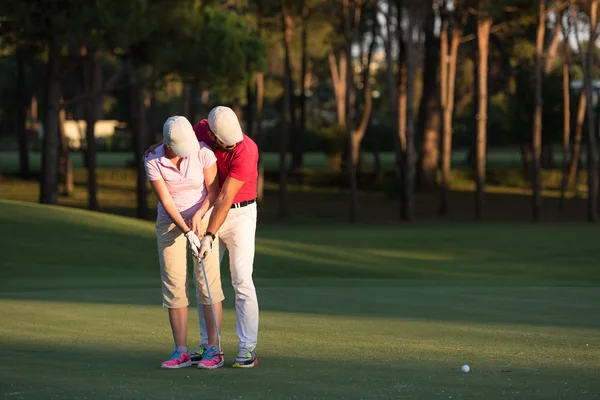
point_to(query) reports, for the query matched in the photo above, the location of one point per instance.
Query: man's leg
(238, 233)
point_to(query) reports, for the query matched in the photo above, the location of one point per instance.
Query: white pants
(238, 234)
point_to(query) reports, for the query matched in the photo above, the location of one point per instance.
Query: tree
(429, 122)
(415, 12)
(92, 81)
(449, 62)
(587, 64)
(352, 13)
(51, 140)
(287, 27)
(484, 24)
(65, 164)
(298, 148)
(388, 42)
(218, 49)
(371, 26)
(21, 114)
(566, 111)
(537, 120)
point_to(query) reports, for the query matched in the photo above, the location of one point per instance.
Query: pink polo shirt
(240, 164)
(186, 185)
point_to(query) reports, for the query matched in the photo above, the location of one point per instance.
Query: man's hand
(152, 148)
(205, 246)
(195, 223)
(193, 242)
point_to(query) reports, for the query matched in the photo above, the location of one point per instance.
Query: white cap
(179, 135)
(223, 122)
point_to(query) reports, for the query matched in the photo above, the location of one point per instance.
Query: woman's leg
(172, 252)
(213, 338)
(178, 317)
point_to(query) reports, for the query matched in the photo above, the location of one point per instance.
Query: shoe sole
(238, 365)
(182, 365)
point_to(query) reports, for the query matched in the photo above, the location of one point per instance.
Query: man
(233, 217)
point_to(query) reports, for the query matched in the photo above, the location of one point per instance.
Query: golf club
(210, 299)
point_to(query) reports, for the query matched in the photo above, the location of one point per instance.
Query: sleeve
(152, 171)
(241, 167)
(207, 156)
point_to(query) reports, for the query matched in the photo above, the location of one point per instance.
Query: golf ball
(465, 368)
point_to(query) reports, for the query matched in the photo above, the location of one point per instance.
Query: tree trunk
(484, 25)
(288, 27)
(65, 164)
(537, 118)
(444, 83)
(393, 98)
(576, 155)
(338, 77)
(402, 103)
(21, 116)
(448, 113)
(553, 48)
(359, 133)
(377, 170)
(566, 127)
(260, 90)
(250, 113)
(236, 106)
(286, 118)
(592, 150)
(408, 207)
(92, 81)
(429, 110)
(349, 12)
(51, 141)
(108, 86)
(138, 129)
(300, 133)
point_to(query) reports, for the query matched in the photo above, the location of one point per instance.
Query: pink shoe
(212, 358)
(179, 359)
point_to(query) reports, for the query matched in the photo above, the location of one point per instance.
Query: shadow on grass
(92, 372)
(445, 272)
(529, 306)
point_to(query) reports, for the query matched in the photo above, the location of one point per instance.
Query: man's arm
(230, 189)
(212, 184)
(152, 148)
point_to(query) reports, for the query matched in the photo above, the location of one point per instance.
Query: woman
(183, 175)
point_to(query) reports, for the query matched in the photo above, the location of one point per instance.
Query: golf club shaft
(210, 299)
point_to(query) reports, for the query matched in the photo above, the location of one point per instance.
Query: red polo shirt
(240, 164)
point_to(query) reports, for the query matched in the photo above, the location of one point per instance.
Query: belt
(242, 203)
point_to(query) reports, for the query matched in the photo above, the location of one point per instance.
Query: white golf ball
(465, 368)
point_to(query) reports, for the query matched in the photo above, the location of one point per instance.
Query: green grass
(366, 312)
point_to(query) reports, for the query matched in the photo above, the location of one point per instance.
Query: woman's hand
(196, 222)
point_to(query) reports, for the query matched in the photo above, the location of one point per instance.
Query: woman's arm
(160, 189)
(212, 185)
